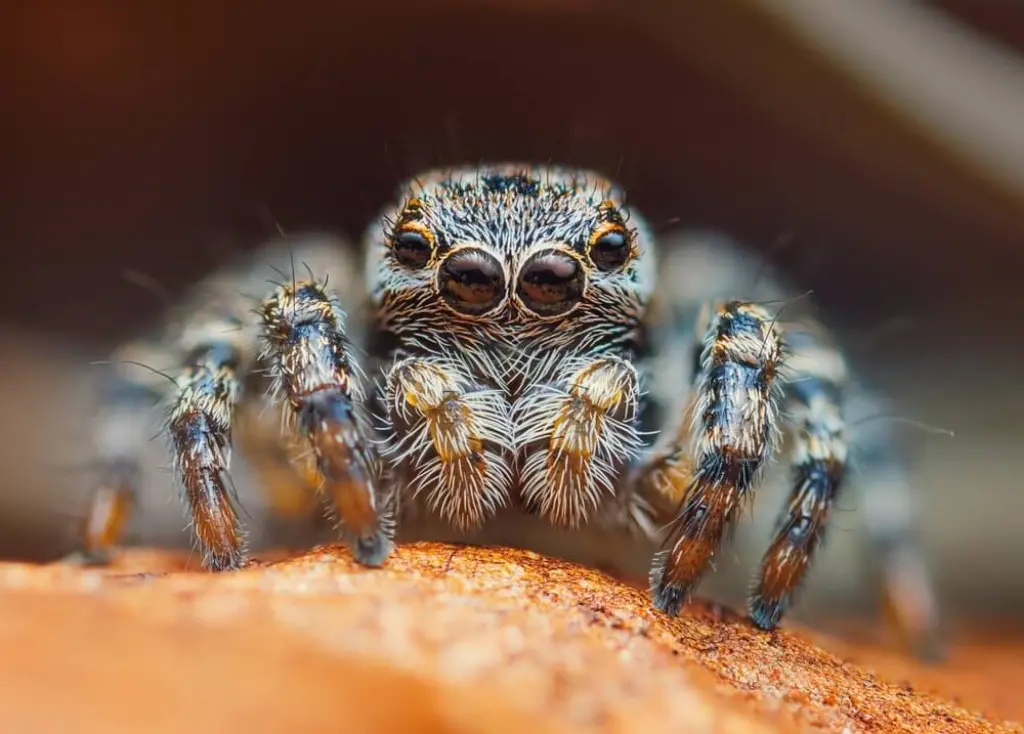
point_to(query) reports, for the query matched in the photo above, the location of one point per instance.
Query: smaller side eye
(413, 246)
(610, 247)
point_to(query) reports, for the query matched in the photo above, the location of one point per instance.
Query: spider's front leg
(310, 360)
(449, 437)
(577, 435)
(708, 468)
(199, 423)
(817, 376)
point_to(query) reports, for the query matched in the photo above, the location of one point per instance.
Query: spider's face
(513, 245)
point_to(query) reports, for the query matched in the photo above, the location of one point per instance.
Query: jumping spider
(524, 350)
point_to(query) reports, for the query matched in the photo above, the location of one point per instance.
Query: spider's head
(513, 244)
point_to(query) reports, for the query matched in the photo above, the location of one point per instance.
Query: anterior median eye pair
(550, 281)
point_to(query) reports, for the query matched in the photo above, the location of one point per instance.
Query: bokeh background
(883, 140)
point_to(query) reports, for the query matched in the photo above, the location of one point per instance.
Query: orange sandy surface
(444, 639)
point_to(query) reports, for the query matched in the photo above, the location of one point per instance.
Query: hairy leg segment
(307, 353)
(199, 425)
(224, 337)
(734, 432)
(814, 390)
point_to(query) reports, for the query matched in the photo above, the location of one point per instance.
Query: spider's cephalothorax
(519, 347)
(509, 307)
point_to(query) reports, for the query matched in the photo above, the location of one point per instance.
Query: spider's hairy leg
(879, 456)
(451, 436)
(200, 422)
(734, 433)
(122, 428)
(577, 434)
(816, 378)
(309, 356)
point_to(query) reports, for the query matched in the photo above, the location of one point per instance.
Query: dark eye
(412, 247)
(610, 249)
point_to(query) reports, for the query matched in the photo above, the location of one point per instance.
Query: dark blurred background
(884, 139)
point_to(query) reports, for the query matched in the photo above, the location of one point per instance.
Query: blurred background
(883, 139)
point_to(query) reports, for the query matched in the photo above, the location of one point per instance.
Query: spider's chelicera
(513, 354)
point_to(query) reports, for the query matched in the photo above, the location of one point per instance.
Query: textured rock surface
(445, 639)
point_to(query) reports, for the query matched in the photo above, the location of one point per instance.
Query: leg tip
(668, 597)
(669, 600)
(371, 550)
(766, 613)
(233, 561)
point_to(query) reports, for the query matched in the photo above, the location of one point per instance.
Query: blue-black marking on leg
(803, 389)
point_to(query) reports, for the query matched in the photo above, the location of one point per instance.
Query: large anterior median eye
(610, 247)
(413, 245)
(551, 283)
(471, 281)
